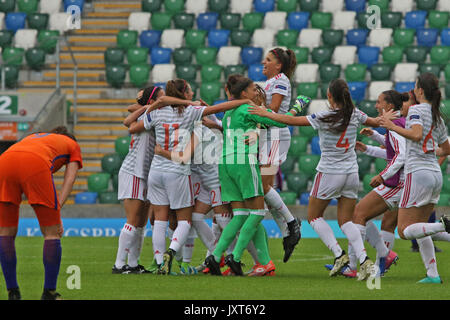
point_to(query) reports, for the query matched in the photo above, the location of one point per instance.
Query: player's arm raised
(225, 106)
(288, 118)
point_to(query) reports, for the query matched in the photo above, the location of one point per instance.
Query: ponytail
(287, 59)
(177, 88)
(430, 85)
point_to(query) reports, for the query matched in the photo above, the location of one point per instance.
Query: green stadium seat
(333, 38)
(151, 5)
(380, 164)
(361, 18)
(35, 58)
(111, 163)
(127, 39)
(307, 131)
(7, 5)
(288, 166)
(309, 5)
(233, 69)
(122, 145)
(139, 74)
(289, 198)
(444, 164)
(297, 182)
(324, 89)
(329, 72)
(404, 37)
(321, 20)
(383, 4)
(210, 73)
(431, 68)
(444, 199)
(187, 72)
(115, 182)
(13, 56)
(38, 21)
(137, 55)
(307, 164)
(446, 183)
(391, 20)
(240, 38)
(298, 146)
(115, 75)
(230, 21)
(445, 108)
(11, 76)
(210, 91)
(161, 20)
(252, 21)
(194, 86)
(98, 182)
(114, 56)
(447, 91)
(393, 55)
(366, 182)
(309, 89)
(287, 38)
(108, 198)
(426, 5)
(206, 55)
(182, 56)
(447, 74)
(364, 164)
(287, 5)
(416, 54)
(183, 21)
(301, 53)
(440, 55)
(47, 40)
(6, 38)
(27, 6)
(174, 6)
(381, 72)
(368, 107)
(195, 38)
(355, 72)
(321, 55)
(219, 6)
(438, 19)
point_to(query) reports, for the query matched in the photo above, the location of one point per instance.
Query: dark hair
(341, 95)
(64, 131)
(177, 88)
(396, 98)
(148, 94)
(430, 85)
(413, 96)
(261, 94)
(237, 83)
(287, 59)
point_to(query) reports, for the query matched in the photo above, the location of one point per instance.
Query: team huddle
(184, 162)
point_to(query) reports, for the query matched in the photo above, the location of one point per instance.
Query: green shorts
(240, 181)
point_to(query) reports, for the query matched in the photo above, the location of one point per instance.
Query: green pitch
(303, 277)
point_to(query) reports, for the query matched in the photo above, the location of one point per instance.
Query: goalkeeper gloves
(301, 103)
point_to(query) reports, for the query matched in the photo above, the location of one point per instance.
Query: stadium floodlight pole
(75, 116)
(58, 61)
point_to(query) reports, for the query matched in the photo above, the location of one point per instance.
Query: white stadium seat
(332, 5)
(310, 38)
(306, 72)
(59, 21)
(344, 20)
(139, 21)
(402, 6)
(25, 38)
(229, 56)
(380, 37)
(443, 5)
(405, 72)
(241, 6)
(163, 72)
(196, 6)
(275, 20)
(2, 20)
(377, 87)
(317, 106)
(172, 38)
(50, 6)
(263, 38)
(344, 55)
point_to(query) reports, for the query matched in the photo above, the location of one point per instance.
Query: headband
(151, 95)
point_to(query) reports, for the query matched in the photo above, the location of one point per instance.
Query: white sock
(281, 222)
(180, 235)
(159, 240)
(325, 233)
(388, 238)
(217, 231)
(170, 233)
(222, 220)
(253, 251)
(203, 230)
(441, 236)
(373, 236)
(126, 239)
(188, 248)
(353, 234)
(273, 199)
(426, 248)
(136, 247)
(420, 230)
(352, 257)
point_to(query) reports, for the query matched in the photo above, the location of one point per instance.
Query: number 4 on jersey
(345, 145)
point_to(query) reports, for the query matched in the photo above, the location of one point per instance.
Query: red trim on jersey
(407, 190)
(316, 185)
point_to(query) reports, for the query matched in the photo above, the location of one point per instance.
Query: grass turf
(303, 277)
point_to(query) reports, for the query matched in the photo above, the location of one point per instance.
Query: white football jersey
(337, 149)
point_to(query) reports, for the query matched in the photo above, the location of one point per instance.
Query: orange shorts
(9, 215)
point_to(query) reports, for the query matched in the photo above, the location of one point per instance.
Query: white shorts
(391, 196)
(172, 189)
(328, 186)
(422, 187)
(206, 185)
(273, 152)
(131, 187)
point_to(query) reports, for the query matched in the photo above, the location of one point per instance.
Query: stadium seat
(298, 20)
(445, 37)
(86, 198)
(321, 55)
(255, 72)
(207, 21)
(309, 89)
(150, 38)
(15, 21)
(344, 55)
(431, 68)
(415, 19)
(355, 72)
(357, 37)
(287, 5)
(98, 182)
(315, 145)
(114, 56)
(184, 21)
(264, 6)
(25, 38)
(306, 72)
(287, 38)
(252, 21)
(383, 4)
(309, 5)
(35, 58)
(196, 6)
(391, 20)
(288, 166)
(344, 20)
(289, 198)
(195, 38)
(416, 54)
(7, 5)
(121, 145)
(263, 38)
(78, 3)
(126, 39)
(304, 199)
(404, 86)
(174, 6)
(332, 38)
(310, 38)
(329, 72)
(210, 73)
(444, 199)
(308, 131)
(111, 163)
(368, 107)
(115, 75)
(376, 87)
(115, 182)
(355, 5)
(206, 55)
(139, 21)
(219, 6)
(161, 20)
(218, 38)
(308, 163)
(47, 40)
(364, 164)
(234, 69)
(230, 21)
(137, 55)
(426, 5)
(172, 38)
(6, 38)
(402, 6)
(321, 20)
(447, 75)
(393, 55)
(187, 72)
(50, 6)
(332, 5)
(358, 90)
(275, 20)
(163, 72)
(151, 5)
(297, 182)
(182, 56)
(11, 76)
(241, 38)
(108, 197)
(210, 91)
(405, 72)
(380, 164)
(427, 37)
(381, 72)
(13, 56)
(380, 38)
(298, 146)
(160, 55)
(58, 21)
(229, 56)
(438, 19)
(38, 21)
(139, 74)
(301, 54)
(445, 108)
(366, 182)
(368, 55)
(404, 37)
